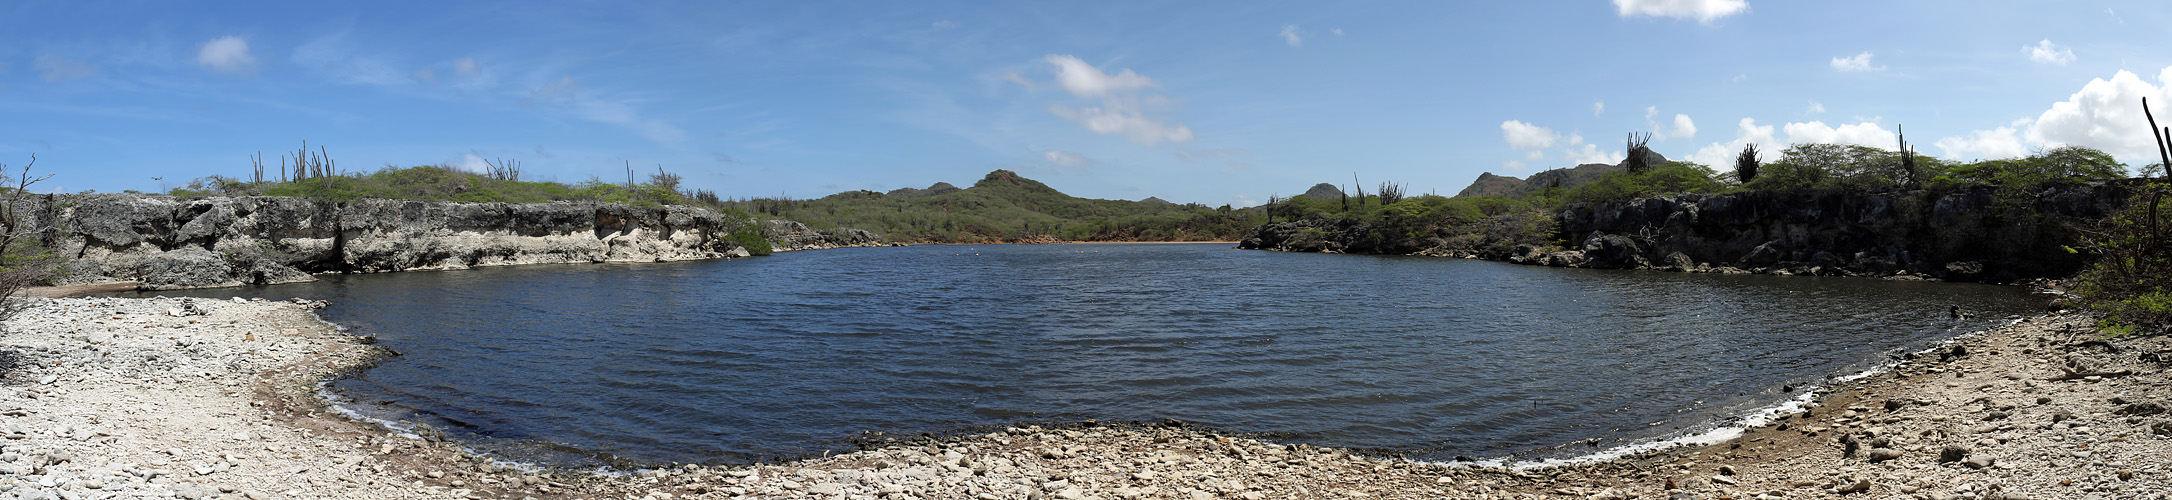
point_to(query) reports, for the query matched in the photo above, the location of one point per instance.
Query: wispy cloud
(1120, 110)
(1704, 11)
(56, 68)
(1085, 80)
(1067, 159)
(1293, 36)
(1857, 63)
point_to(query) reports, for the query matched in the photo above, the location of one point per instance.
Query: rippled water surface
(793, 354)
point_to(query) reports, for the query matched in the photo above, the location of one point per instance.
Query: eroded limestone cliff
(166, 243)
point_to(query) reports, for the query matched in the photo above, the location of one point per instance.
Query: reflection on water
(794, 353)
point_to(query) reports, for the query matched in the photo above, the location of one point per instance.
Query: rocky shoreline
(193, 398)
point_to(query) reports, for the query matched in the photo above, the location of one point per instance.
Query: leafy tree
(23, 261)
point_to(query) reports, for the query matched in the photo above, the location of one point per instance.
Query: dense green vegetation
(2129, 285)
(1004, 207)
(442, 183)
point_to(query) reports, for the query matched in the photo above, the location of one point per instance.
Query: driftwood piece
(2074, 375)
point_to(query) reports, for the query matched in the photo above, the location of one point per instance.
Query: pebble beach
(106, 398)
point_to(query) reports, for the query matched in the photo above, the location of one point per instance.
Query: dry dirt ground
(159, 398)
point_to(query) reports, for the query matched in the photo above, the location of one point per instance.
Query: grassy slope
(1004, 207)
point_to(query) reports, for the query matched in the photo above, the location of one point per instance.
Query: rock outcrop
(786, 236)
(168, 243)
(1970, 234)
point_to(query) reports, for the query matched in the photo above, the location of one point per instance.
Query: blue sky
(1188, 101)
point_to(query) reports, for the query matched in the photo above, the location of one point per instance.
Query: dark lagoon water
(793, 354)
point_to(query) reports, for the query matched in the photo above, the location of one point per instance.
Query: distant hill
(1007, 207)
(1489, 184)
(1323, 191)
(938, 188)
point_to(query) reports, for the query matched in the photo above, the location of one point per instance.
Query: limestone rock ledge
(168, 243)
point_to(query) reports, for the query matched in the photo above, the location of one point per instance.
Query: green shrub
(2130, 283)
(751, 240)
(1674, 177)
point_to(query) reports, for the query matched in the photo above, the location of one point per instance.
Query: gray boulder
(187, 267)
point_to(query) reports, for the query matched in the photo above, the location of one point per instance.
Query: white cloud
(1085, 80)
(1683, 127)
(1704, 11)
(472, 163)
(1120, 110)
(1861, 62)
(466, 67)
(1997, 143)
(1132, 124)
(1721, 156)
(1650, 111)
(1292, 35)
(1598, 107)
(1336, 31)
(1522, 135)
(425, 75)
(1579, 154)
(2049, 53)
(1066, 159)
(228, 53)
(1859, 133)
(1512, 165)
(55, 68)
(2107, 115)
(1815, 108)
(1535, 154)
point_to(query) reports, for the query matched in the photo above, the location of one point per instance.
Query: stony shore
(158, 398)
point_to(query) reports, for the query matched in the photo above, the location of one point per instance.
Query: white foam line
(1756, 418)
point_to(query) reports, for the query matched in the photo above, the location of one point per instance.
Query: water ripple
(795, 353)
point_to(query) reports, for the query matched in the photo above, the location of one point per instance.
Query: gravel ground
(162, 398)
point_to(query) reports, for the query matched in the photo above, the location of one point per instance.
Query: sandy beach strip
(196, 398)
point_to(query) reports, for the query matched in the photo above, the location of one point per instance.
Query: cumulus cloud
(1815, 108)
(1085, 80)
(2049, 53)
(55, 68)
(1579, 154)
(2107, 115)
(1336, 31)
(1683, 128)
(228, 53)
(1522, 135)
(1721, 156)
(1535, 154)
(1859, 133)
(1598, 107)
(1066, 159)
(1997, 143)
(466, 67)
(1704, 11)
(1512, 165)
(1292, 35)
(1859, 63)
(1132, 124)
